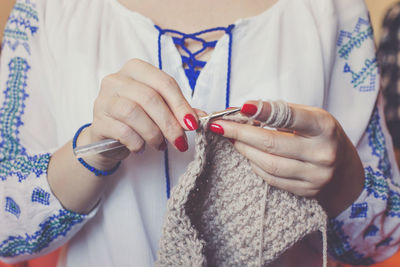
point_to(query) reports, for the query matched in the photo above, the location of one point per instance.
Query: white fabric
(288, 52)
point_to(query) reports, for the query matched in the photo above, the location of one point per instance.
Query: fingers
(111, 128)
(133, 115)
(144, 110)
(273, 142)
(276, 165)
(297, 187)
(306, 120)
(167, 87)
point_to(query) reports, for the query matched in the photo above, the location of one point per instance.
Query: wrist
(98, 164)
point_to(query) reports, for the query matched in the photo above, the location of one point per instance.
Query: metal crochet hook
(111, 144)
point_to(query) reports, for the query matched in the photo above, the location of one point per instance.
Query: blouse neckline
(238, 24)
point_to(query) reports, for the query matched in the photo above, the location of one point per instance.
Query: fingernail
(162, 146)
(216, 128)
(190, 122)
(181, 144)
(232, 140)
(249, 109)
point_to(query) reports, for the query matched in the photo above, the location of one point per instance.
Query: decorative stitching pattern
(22, 24)
(372, 230)
(12, 207)
(52, 228)
(41, 196)
(14, 159)
(359, 210)
(377, 142)
(361, 33)
(376, 184)
(393, 205)
(359, 77)
(356, 38)
(340, 247)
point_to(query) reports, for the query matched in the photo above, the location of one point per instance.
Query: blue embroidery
(376, 140)
(340, 248)
(384, 242)
(359, 210)
(372, 230)
(13, 157)
(54, 227)
(41, 196)
(359, 77)
(361, 33)
(22, 24)
(12, 207)
(376, 184)
(356, 38)
(393, 205)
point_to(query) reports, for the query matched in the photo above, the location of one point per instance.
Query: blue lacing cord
(191, 73)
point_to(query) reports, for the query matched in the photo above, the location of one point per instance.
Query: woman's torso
(282, 52)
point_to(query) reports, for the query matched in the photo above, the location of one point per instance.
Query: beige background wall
(5, 7)
(378, 9)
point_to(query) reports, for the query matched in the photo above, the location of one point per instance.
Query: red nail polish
(232, 140)
(216, 128)
(181, 144)
(162, 146)
(190, 122)
(249, 109)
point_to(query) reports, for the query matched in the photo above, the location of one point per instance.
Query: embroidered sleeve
(368, 231)
(32, 220)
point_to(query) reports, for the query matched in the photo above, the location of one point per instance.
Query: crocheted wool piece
(222, 214)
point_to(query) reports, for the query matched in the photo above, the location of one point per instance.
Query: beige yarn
(222, 214)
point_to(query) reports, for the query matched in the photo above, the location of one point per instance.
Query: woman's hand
(138, 105)
(312, 157)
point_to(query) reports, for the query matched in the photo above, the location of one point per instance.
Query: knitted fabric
(222, 214)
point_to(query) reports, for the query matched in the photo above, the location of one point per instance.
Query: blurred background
(378, 10)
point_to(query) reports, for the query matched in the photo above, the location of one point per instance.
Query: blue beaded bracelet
(84, 163)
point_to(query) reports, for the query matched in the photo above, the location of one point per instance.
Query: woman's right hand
(138, 105)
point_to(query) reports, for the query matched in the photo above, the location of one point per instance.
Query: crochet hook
(111, 144)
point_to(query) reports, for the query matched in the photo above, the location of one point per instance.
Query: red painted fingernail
(232, 140)
(249, 109)
(216, 128)
(181, 144)
(190, 122)
(162, 146)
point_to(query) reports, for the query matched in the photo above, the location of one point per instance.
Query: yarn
(222, 214)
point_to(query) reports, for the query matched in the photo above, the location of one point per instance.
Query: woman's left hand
(312, 157)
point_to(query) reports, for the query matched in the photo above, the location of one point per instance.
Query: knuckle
(167, 82)
(110, 81)
(124, 133)
(133, 62)
(271, 167)
(151, 98)
(137, 145)
(328, 124)
(328, 156)
(268, 143)
(127, 110)
(154, 137)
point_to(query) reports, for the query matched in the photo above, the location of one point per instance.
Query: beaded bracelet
(84, 163)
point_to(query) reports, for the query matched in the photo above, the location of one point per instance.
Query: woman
(116, 64)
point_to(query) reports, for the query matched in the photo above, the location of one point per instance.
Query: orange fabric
(49, 260)
(394, 261)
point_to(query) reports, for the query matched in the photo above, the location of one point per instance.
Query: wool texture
(222, 214)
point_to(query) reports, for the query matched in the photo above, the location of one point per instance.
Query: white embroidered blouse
(54, 56)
